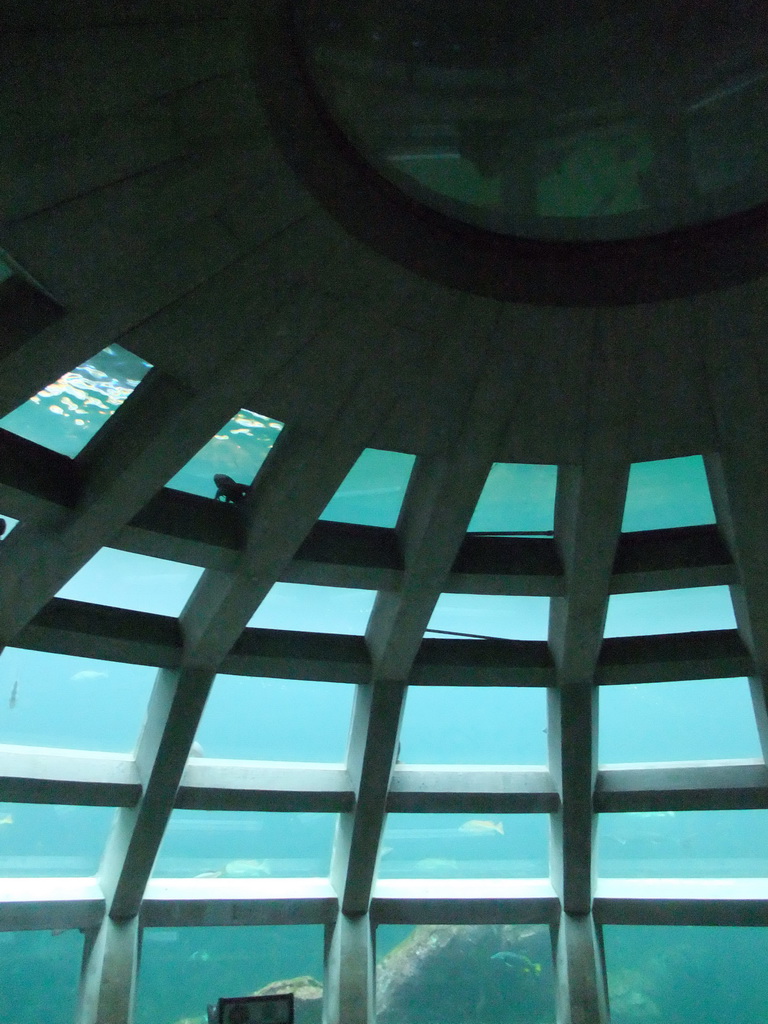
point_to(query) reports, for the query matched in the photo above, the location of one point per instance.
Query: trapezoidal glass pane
(699, 719)
(245, 844)
(184, 969)
(297, 720)
(373, 490)
(39, 976)
(489, 616)
(7, 523)
(235, 454)
(483, 974)
(669, 611)
(683, 844)
(303, 606)
(460, 846)
(57, 700)
(683, 974)
(667, 493)
(517, 499)
(474, 725)
(52, 840)
(142, 583)
(65, 415)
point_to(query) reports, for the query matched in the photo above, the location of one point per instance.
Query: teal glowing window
(39, 976)
(7, 523)
(464, 846)
(373, 490)
(700, 719)
(246, 844)
(52, 840)
(491, 616)
(516, 498)
(315, 609)
(184, 969)
(670, 611)
(65, 415)
(297, 720)
(56, 700)
(122, 579)
(237, 452)
(667, 493)
(474, 725)
(683, 844)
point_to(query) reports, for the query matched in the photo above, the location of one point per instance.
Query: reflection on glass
(667, 493)
(682, 721)
(237, 452)
(315, 609)
(65, 415)
(57, 700)
(39, 974)
(669, 611)
(474, 725)
(463, 846)
(684, 844)
(487, 974)
(373, 490)
(184, 969)
(516, 498)
(122, 579)
(487, 615)
(245, 844)
(297, 720)
(51, 840)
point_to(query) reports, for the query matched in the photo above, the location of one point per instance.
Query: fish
(88, 674)
(14, 695)
(200, 956)
(7, 819)
(211, 874)
(517, 961)
(229, 489)
(246, 869)
(481, 828)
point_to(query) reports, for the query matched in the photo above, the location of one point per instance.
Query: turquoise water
(51, 700)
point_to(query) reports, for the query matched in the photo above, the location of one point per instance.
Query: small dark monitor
(253, 1010)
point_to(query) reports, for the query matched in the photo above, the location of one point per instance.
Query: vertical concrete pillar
(110, 967)
(349, 977)
(580, 975)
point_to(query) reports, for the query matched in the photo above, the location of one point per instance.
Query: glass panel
(56, 700)
(686, 975)
(315, 609)
(373, 490)
(52, 840)
(517, 498)
(122, 579)
(246, 844)
(39, 975)
(451, 974)
(237, 453)
(683, 844)
(184, 969)
(5, 271)
(459, 846)
(512, 618)
(297, 720)
(474, 725)
(683, 721)
(7, 523)
(65, 415)
(667, 493)
(669, 611)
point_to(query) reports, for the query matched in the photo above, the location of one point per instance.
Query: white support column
(110, 968)
(349, 971)
(580, 988)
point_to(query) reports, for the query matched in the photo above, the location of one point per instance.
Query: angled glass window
(373, 490)
(464, 846)
(683, 844)
(65, 415)
(52, 840)
(236, 453)
(701, 719)
(517, 498)
(56, 700)
(489, 615)
(465, 973)
(685, 973)
(184, 969)
(39, 976)
(122, 579)
(7, 523)
(314, 609)
(297, 720)
(667, 493)
(669, 611)
(474, 725)
(245, 844)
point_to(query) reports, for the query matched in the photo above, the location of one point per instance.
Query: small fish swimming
(14, 695)
(481, 828)
(229, 489)
(210, 874)
(7, 819)
(200, 956)
(518, 962)
(246, 869)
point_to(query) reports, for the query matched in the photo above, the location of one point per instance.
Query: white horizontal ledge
(225, 785)
(694, 901)
(50, 903)
(56, 776)
(464, 901)
(472, 789)
(683, 786)
(178, 902)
